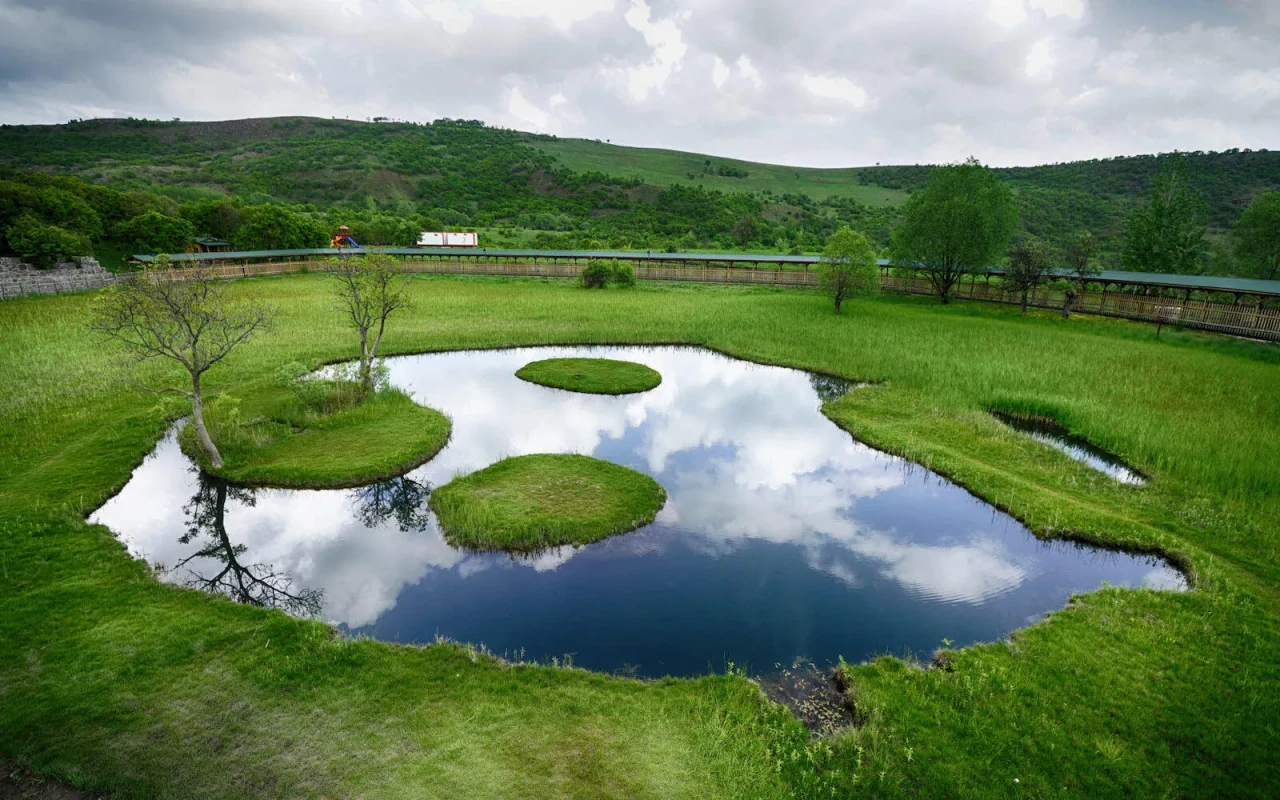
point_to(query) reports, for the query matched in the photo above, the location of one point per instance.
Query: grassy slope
(591, 375)
(665, 167)
(534, 502)
(275, 440)
(112, 680)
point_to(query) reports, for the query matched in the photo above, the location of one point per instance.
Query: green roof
(1209, 283)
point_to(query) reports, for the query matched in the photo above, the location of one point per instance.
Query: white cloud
(668, 50)
(1014, 81)
(1040, 59)
(1007, 13)
(564, 13)
(748, 70)
(719, 72)
(527, 112)
(841, 89)
(1068, 8)
(451, 16)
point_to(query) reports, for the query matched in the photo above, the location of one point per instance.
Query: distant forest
(142, 185)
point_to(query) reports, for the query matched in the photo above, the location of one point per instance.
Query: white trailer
(441, 239)
(460, 240)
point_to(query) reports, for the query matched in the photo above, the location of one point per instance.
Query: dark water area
(782, 537)
(1081, 450)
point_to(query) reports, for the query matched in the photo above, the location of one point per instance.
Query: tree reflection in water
(253, 584)
(402, 499)
(829, 388)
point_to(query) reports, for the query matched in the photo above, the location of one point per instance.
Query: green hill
(519, 188)
(665, 167)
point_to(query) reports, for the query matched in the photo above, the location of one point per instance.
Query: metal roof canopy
(1207, 283)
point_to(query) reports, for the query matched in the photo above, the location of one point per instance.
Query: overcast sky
(804, 82)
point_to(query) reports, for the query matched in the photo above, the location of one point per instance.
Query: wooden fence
(1252, 321)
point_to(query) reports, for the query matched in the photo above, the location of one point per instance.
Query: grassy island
(270, 437)
(533, 502)
(591, 375)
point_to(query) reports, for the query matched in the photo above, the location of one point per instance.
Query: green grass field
(665, 167)
(112, 680)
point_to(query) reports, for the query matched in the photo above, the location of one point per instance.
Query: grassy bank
(109, 679)
(268, 436)
(591, 375)
(530, 503)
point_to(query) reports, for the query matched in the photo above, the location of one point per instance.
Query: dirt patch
(19, 783)
(818, 697)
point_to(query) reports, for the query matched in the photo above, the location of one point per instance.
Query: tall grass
(115, 681)
(1195, 407)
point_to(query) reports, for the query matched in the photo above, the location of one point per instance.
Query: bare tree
(182, 316)
(369, 289)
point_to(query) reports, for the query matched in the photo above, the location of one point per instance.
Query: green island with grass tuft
(591, 375)
(530, 503)
(270, 436)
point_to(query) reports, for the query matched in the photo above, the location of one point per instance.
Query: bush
(153, 232)
(339, 388)
(276, 228)
(624, 275)
(596, 274)
(43, 245)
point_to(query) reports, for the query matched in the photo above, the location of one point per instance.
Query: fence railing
(1252, 321)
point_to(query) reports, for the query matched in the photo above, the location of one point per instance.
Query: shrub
(340, 388)
(624, 275)
(153, 232)
(596, 274)
(43, 245)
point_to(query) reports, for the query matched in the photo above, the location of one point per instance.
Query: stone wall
(18, 279)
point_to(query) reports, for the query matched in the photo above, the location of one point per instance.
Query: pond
(1074, 447)
(782, 537)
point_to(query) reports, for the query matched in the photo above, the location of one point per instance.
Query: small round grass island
(529, 503)
(591, 375)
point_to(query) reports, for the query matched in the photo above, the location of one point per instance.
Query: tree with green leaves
(745, 230)
(218, 218)
(960, 222)
(1258, 237)
(44, 245)
(1167, 234)
(1081, 266)
(278, 228)
(1030, 264)
(848, 267)
(180, 316)
(368, 290)
(153, 232)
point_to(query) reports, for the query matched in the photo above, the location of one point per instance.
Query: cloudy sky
(813, 83)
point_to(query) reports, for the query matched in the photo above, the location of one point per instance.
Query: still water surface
(781, 538)
(1076, 448)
